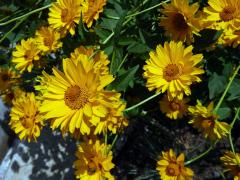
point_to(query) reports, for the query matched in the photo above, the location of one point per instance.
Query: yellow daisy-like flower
(99, 58)
(76, 99)
(205, 121)
(26, 120)
(175, 108)
(94, 9)
(8, 78)
(230, 37)
(48, 39)
(231, 162)
(171, 167)
(172, 68)
(94, 162)
(180, 20)
(65, 14)
(223, 14)
(25, 55)
(114, 121)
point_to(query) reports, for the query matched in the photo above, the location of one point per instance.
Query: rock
(3, 143)
(51, 157)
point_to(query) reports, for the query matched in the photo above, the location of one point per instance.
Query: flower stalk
(227, 89)
(202, 154)
(230, 131)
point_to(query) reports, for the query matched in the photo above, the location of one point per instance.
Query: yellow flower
(171, 167)
(172, 68)
(76, 99)
(94, 9)
(7, 79)
(175, 108)
(47, 39)
(26, 120)
(10, 95)
(25, 55)
(223, 14)
(44, 80)
(230, 37)
(114, 121)
(180, 20)
(205, 121)
(99, 58)
(231, 162)
(94, 162)
(65, 14)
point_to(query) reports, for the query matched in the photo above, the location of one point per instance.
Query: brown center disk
(171, 72)
(76, 97)
(179, 22)
(227, 14)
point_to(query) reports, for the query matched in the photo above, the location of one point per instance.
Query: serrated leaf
(138, 48)
(216, 85)
(122, 82)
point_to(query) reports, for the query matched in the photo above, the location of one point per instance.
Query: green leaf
(216, 85)
(117, 59)
(138, 48)
(122, 82)
(234, 90)
(224, 112)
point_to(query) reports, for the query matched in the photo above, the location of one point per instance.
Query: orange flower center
(29, 55)
(171, 72)
(92, 168)
(173, 169)
(228, 13)
(76, 97)
(48, 41)
(66, 16)
(175, 106)
(27, 121)
(179, 22)
(5, 77)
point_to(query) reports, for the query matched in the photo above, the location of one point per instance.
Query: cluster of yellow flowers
(74, 98)
(173, 68)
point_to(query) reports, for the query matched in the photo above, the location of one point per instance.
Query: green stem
(226, 90)
(202, 154)
(142, 102)
(25, 15)
(230, 132)
(14, 27)
(114, 140)
(129, 17)
(148, 9)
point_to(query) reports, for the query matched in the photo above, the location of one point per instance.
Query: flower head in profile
(180, 20)
(99, 58)
(115, 120)
(94, 9)
(231, 161)
(207, 122)
(48, 39)
(75, 99)
(65, 14)
(26, 121)
(223, 14)
(8, 77)
(94, 161)
(171, 167)
(172, 68)
(174, 108)
(25, 55)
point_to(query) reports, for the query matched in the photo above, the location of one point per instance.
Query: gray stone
(51, 157)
